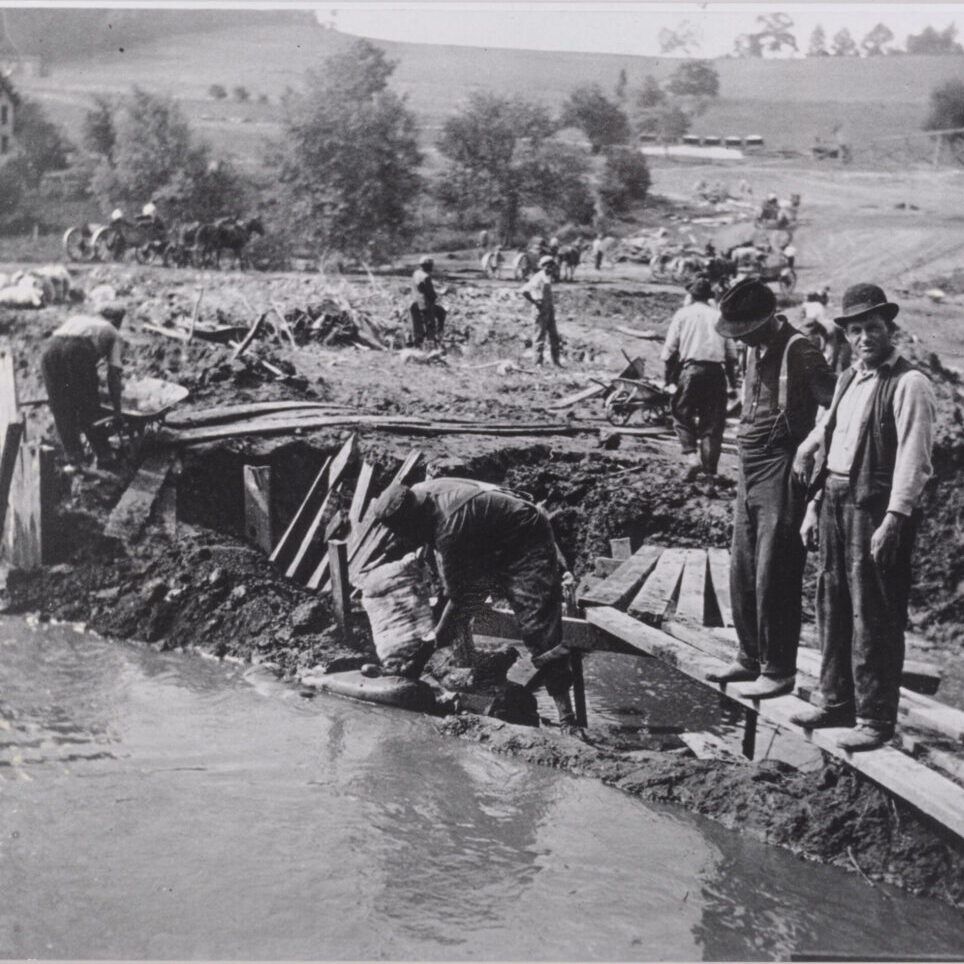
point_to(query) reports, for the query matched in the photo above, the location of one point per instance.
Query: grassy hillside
(788, 102)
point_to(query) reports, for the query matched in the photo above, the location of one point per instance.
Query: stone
(309, 617)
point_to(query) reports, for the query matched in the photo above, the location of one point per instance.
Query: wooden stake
(195, 313)
(292, 535)
(258, 527)
(578, 688)
(249, 337)
(8, 462)
(749, 734)
(340, 587)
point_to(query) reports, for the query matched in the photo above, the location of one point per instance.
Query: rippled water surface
(164, 806)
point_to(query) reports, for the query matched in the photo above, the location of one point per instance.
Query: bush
(695, 78)
(625, 180)
(947, 107)
(241, 94)
(602, 121)
(217, 92)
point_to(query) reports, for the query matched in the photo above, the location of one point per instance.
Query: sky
(617, 27)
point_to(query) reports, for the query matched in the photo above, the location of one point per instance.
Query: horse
(227, 234)
(569, 257)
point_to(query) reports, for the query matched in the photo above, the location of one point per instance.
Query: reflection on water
(164, 806)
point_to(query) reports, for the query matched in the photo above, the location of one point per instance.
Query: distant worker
(701, 363)
(116, 215)
(486, 539)
(770, 209)
(538, 292)
(816, 321)
(873, 455)
(597, 251)
(69, 366)
(786, 380)
(428, 316)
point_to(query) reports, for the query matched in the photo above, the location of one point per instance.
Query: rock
(309, 617)
(238, 593)
(108, 595)
(154, 590)
(217, 576)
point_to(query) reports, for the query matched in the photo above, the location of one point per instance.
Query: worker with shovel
(486, 539)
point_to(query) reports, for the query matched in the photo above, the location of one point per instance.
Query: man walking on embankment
(702, 363)
(485, 538)
(786, 380)
(873, 459)
(69, 366)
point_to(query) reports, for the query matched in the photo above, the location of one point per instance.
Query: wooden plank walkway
(654, 599)
(130, 515)
(619, 587)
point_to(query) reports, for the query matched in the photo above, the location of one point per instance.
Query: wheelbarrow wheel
(618, 412)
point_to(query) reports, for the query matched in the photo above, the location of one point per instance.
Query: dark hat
(394, 503)
(113, 311)
(745, 307)
(862, 299)
(700, 289)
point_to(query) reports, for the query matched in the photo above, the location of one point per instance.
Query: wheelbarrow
(624, 396)
(144, 404)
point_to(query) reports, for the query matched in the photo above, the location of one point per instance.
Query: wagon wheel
(144, 253)
(103, 244)
(618, 411)
(77, 245)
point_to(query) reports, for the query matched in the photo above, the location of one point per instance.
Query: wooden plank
(605, 566)
(337, 468)
(9, 407)
(299, 521)
(621, 549)
(581, 396)
(620, 587)
(656, 594)
(359, 501)
(130, 515)
(258, 522)
(719, 560)
(9, 456)
(27, 539)
(331, 530)
(242, 345)
(921, 787)
(233, 413)
(708, 746)
(692, 589)
(340, 588)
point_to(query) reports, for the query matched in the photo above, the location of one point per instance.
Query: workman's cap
(700, 289)
(394, 503)
(113, 311)
(546, 260)
(744, 308)
(862, 299)
(426, 260)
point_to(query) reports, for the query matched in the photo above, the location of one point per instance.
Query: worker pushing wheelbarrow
(145, 403)
(630, 392)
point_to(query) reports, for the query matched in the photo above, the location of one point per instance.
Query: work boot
(709, 456)
(865, 736)
(693, 467)
(817, 717)
(734, 673)
(767, 687)
(567, 715)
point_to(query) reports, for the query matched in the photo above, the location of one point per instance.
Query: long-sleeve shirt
(692, 333)
(914, 415)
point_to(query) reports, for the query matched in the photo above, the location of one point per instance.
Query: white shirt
(539, 286)
(692, 333)
(100, 332)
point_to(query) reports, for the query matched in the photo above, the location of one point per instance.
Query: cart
(144, 405)
(628, 395)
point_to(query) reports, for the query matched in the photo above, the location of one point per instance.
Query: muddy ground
(198, 584)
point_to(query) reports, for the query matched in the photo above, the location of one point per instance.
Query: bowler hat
(744, 308)
(700, 289)
(862, 299)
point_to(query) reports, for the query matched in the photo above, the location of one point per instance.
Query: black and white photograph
(481, 481)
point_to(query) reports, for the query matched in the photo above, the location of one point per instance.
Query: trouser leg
(684, 410)
(56, 376)
(834, 608)
(880, 616)
(553, 334)
(711, 417)
(418, 326)
(743, 581)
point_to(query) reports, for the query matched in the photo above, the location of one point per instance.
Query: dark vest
(872, 472)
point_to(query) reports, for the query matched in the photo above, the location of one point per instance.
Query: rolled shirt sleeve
(915, 410)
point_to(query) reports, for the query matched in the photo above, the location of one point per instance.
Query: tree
(602, 121)
(843, 44)
(621, 85)
(650, 95)
(668, 122)
(685, 39)
(499, 158)
(934, 42)
(241, 94)
(946, 108)
(98, 134)
(874, 43)
(217, 92)
(818, 43)
(349, 163)
(774, 35)
(41, 145)
(694, 78)
(625, 180)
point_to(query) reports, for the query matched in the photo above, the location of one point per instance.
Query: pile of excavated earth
(197, 583)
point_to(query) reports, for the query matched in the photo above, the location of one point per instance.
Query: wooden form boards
(690, 607)
(654, 599)
(927, 791)
(130, 515)
(258, 520)
(618, 588)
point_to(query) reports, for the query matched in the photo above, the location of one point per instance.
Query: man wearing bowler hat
(787, 378)
(873, 459)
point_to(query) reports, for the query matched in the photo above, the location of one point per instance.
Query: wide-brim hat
(546, 260)
(426, 259)
(745, 307)
(862, 299)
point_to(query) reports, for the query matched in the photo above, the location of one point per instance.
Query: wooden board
(581, 396)
(27, 539)
(654, 598)
(258, 522)
(621, 549)
(719, 561)
(359, 500)
(10, 441)
(605, 566)
(130, 515)
(923, 788)
(692, 590)
(236, 413)
(9, 408)
(291, 539)
(396, 691)
(617, 589)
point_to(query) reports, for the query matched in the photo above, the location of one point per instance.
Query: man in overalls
(787, 378)
(485, 538)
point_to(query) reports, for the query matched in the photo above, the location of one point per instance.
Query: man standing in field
(538, 292)
(69, 366)
(428, 316)
(702, 363)
(786, 380)
(873, 454)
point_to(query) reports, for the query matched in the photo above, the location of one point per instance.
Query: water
(165, 806)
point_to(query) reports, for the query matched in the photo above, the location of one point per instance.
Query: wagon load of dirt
(396, 598)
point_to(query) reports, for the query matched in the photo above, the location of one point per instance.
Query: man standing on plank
(69, 366)
(873, 454)
(787, 379)
(702, 363)
(488, 539)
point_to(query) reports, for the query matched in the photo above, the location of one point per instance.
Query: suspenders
(782, 383)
